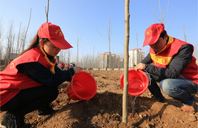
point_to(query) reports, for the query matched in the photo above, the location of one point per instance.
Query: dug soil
(104, 110)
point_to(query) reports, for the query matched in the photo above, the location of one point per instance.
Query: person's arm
(146, 60)
(43, 75)
(177, 65)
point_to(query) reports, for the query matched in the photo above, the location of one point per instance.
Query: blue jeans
(180, 89)
(153, 87)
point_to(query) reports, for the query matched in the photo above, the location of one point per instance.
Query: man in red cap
(173, 66)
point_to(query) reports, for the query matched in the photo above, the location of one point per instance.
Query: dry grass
(2, 67)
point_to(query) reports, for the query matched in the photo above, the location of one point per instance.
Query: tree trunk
(126, 58)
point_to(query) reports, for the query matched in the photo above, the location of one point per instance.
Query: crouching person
(173, 67)
(30, 81)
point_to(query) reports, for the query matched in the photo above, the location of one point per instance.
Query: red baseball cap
(54, 34)
(152, 33)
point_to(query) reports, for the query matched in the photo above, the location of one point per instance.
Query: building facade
(116, 62)
(135, 57)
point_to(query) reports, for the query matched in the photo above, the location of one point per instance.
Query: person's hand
(77, 69)
(140, 66)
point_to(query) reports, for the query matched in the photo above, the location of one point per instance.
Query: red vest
(164, 57)
(12, 82)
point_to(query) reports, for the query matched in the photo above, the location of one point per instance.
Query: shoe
(187, 108)
(162, 100)
(12, 121)
(45, 111)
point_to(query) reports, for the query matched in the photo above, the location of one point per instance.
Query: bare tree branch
(46, 11)
(77, 43)
(25, 35)
(162, 17)
(109, 39)
(154, 12)
(160, 12)
(101, 35)
(10, 42)
(172, 20)
(166, 11)
(18, 47)
(184, 33)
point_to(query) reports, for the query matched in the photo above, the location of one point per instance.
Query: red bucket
(138, 82)
(82, 86)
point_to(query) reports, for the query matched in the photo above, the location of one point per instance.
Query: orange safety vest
(164, 57)
(11, 82)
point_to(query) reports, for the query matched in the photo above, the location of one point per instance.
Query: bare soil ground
(104, 110)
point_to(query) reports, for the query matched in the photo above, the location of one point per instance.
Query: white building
(115, 60)
(135, 57)
(104, 60)
(118, 61)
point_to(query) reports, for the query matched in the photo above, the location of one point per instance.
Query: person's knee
(52, 93)
(166, 86)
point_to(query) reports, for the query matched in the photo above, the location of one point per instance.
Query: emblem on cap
(59, 32)
(148, 32)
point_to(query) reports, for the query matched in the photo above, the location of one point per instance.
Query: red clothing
(163, 58)
(12, 82)
(62, 65)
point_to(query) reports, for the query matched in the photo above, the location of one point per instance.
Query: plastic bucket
(82, 86)
(138, 82)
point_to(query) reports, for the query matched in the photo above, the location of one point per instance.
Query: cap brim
(61, 43)
(151, 40)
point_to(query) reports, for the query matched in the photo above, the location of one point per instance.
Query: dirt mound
(105, 109)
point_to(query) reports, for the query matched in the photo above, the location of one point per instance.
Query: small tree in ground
(126, 59)
(109, 40)
(77, 43)
(10, 42)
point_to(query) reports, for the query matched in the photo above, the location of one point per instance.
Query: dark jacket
(178, 63)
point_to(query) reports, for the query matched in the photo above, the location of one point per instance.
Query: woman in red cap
(173, 66)
(30, 81)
